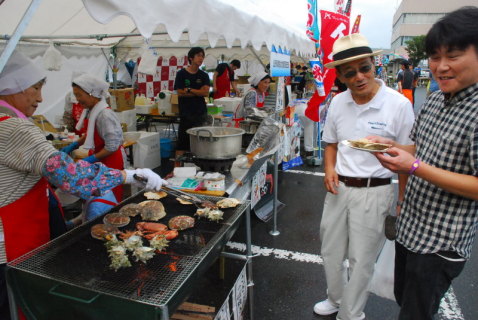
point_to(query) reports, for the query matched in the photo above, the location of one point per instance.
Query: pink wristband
(414, 167)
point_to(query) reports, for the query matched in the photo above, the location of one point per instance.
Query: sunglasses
(362, 69)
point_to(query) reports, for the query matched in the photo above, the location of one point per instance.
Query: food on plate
(183, 200)
(152, 210)
(181, 223)
(116, 219)
(369, 145)
(151, 195)
(99, 231)
(131, 209)
(228, 203)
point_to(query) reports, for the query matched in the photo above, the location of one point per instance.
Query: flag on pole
(355, 28)
(334, 26)
(312, 26)
(348, 8)
(339, 6)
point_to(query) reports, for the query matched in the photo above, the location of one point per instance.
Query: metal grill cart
(70, 278)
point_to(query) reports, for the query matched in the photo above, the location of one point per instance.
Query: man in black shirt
(405, 81)
(192, 85)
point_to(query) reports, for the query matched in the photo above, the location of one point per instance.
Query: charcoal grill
(70, 278)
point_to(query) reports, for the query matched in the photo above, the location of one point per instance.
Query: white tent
(87, 30)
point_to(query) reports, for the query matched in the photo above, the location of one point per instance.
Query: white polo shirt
(389, 114)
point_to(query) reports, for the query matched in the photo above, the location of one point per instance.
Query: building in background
(414, 18)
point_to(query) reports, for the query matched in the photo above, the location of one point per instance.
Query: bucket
(166, 147)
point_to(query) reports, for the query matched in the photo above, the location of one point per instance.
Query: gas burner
(214, 165)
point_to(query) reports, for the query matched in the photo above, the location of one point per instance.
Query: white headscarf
(19, 74)
(94, 86)
(97, 88)
(257, 77)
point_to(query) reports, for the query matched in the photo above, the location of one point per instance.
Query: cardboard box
(124, 99)
(43, 123)
(174, 99)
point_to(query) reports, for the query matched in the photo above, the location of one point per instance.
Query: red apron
(114, 160)
(76, 111)
(223, 85)
(26, 221)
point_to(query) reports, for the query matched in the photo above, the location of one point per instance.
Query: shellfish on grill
(131, 210)
(152, 210)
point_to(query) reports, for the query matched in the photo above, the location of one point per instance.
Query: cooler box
(228, 104)
(146, 151)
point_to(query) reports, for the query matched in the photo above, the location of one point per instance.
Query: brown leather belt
(364, 182)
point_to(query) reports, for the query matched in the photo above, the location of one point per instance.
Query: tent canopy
(87, 29)
(169, 24)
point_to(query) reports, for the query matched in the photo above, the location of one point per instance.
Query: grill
(70, 276)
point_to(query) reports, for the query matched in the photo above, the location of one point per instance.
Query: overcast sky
(376, 23)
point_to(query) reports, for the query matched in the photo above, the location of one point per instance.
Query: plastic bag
(267, 137)
(383, 276)
(148, 62)
(52, 59)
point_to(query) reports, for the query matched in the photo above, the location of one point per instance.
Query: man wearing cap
(360, 194)
(439, 218)
(29, 213)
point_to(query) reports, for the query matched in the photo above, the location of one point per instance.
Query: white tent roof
(168, 23)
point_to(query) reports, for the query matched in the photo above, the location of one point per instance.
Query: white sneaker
(325, 308)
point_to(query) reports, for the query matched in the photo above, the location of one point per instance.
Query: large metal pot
(215, 142)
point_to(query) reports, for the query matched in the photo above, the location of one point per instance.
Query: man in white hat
(29, 164)
(360, 194)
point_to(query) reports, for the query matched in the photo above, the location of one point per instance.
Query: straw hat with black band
(349, 48)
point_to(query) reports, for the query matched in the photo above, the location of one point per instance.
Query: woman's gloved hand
(91, 159)
(69, 148)
(145, 178)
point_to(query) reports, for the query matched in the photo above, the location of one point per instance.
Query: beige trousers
(352, 228)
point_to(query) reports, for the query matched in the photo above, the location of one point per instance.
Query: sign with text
(280, 63)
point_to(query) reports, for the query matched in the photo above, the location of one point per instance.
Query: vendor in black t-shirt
(192, 85)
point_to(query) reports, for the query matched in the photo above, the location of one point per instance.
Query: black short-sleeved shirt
(191, 106)
(406, 77)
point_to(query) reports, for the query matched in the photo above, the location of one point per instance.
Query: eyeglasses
(362, 69)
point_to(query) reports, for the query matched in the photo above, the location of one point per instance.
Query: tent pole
(12, 43)
(257, 56)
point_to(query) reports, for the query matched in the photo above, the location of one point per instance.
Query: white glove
(146, 178)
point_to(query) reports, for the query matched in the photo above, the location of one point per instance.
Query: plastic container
(166, 147)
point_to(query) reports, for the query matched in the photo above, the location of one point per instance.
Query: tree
(416, 49)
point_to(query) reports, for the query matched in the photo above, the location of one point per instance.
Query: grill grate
(77, 259)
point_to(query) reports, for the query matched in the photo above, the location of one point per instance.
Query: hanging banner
(334, 26)
(355, 28)
(312, 25)
(280, 63)
(339, 6)
(348, 8)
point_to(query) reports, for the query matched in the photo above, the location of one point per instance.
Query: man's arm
(203, 92)
(331, 179)
(214, 79)
(234, 87)
(401, 161)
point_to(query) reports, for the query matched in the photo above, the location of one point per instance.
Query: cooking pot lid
(215, 132)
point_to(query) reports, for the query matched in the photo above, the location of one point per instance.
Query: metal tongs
(189, 198)
(182, 195)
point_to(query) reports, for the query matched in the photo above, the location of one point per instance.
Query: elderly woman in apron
(252, 104)
(29, 164)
